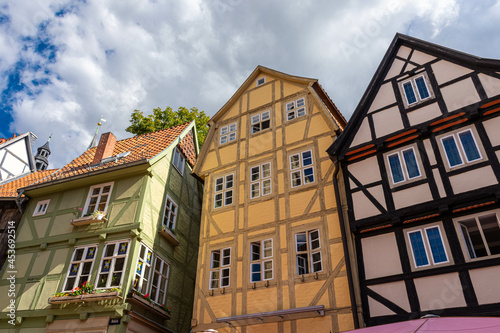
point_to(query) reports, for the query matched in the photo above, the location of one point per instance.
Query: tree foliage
(162, 119)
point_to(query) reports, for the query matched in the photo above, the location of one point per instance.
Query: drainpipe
(344, 244)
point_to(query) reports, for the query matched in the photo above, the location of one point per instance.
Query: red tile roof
(2, 140)
(10, 189)
(141, 148)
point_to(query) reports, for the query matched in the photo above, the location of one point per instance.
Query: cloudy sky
(66, 63)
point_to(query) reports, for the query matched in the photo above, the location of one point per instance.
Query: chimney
(105, 147)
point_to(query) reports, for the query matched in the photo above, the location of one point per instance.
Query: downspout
(350, 282)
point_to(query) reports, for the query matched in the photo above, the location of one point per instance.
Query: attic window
(416, 90)
(261, 81)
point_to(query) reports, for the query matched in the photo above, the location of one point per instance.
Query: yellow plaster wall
(260, 143)
(48, 289)
(233, 111)
(127, 187)
(23, 231)
(262, 300)
(227, 153)
(220, 305)
(333, 226)
(290, 88)
(224, 220)
(261, 96)
(261, 213)
(22, 263)
(305, 292)
(62, 225)
(318, 324)
(299, 202)
(318, 126)
(41, 226)
(27, 296)
(345, 321)
(73, 198)
(341, 288)
(295, 132)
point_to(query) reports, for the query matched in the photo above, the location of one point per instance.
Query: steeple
(42, 156)
(93, 143)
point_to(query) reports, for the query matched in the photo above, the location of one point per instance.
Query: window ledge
(169, 235)
(87, 220)
(140, 301)
(85, 298)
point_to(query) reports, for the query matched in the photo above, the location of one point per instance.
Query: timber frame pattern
(285, 302)
(384, 214)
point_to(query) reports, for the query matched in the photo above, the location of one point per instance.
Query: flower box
(96, 297)
(87, 220)
(169, 235)
(133, 298)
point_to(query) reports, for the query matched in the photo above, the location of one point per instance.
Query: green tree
(162, 119)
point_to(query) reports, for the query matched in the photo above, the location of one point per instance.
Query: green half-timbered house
(130, 269)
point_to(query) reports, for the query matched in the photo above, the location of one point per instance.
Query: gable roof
(140, 149)
(313, 83)
(9, 190)
(339, 146)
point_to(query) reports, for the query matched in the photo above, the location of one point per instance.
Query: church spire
(42, 156)
(93, 143)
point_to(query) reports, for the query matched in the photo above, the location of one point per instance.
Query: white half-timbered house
(420, 165)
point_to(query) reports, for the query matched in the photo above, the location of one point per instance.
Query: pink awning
(448, 325)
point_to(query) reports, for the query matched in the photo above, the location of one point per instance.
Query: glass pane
(255, 128)
(255, 190)
(308, 175)
(411, 163)
(232, 127)
(265, 124)
(290, 106)
(229, 181)
(229, 198)
(74, 269)
(78, 254)
(106, 264)
(110, 249)
(422, 88)
(223, 130)
(86, 268)
(255, 172)
(226, 257)
(417, 245)
(266, 187)
(396, 171)
(290, 115)
(106, 189)
(96, 191)
(302, 264)
(296, 181)
(219, 183)
(314, 239)
(215, 259)
(491, 232)
(102, 280)
(294, 162)
(223, 139)
(119, 263)
(301, 242)
(265, 115)
(255, 119)
(232, 136)
(451, 149)
(301, 112)
(300, 102)
(70, 283)
(116, 279)
(255, 251)
(266, 170)
(268, 248)
(218, 200)
(306, 158)
(123, 249)
(436, 244)
(409, 93)
(469, 145)
(255, 272)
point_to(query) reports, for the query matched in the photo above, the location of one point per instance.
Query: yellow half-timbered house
(271, 255)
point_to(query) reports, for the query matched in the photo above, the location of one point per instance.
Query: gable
(417, 84)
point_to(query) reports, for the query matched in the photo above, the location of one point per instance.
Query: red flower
(147, 295)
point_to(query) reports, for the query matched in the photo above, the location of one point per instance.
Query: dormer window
(228, 133)
(416, 90)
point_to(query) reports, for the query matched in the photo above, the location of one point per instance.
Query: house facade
(109, 242)
(420, 165)
(271, 255)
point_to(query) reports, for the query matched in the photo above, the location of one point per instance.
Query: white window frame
(402, 164)
(459, 222)
(257, 121)
(427, 246)
(262, 183)
(111, 263)
(262, 259)
(80, 262)
(156, 280)
(220, 268)
(99, 196)
(178, 160)
(227, 133)
(169, 211)
(295, 109)
(144, 265)
(461, 151)
(300, 169)
(309, 252)
(416, 92)
(41, 207)
(260, 81)
(225, 192)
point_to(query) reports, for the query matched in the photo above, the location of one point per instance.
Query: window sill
(169, 235)
(133, 298)
(85, 298)
(87, 220)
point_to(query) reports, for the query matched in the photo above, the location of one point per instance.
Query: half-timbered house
(271, 255)
(420, 164)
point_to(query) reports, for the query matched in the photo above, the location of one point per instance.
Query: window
(228, 133)
(113, 264)
(480, 235)
(178, 160)
(427, 246)
(41, 207)
(170, 214)
(308, 252)
(261, 262)
(219, 268)
(223, 191)
(98, 198)
(260, 180)
(301, 166)
(456, 153)
(296, 109)
(403, 165)
(143, 269)
(80, 267)
(415, 90)
(159, 281)
(261, 81)
(261, 121)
